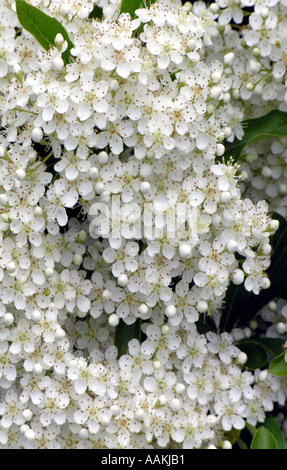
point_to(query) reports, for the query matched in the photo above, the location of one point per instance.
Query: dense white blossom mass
(115, 206)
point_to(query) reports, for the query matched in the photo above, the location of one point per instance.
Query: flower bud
(263, 374)
(82, 235)
(77, 259)
(202, 306)
(231, 245)
(266, 283)
(143, 309)
(37, 369)
(114, 85)
(27, 414)
(49, 272)
(58, 63)
(93, 173)
(113, 319)
(274, 224)
(225, 197)
(8, 319)
(242, 358)
(266, 249)
(103, 157)
(139, 413)
(145, 170)
(266, 171)
(59, 40)
(106, 295)
(236, 94)
(175, 404)
(36, 315)
(281, 328)
(123, 280)
(156, 365)
(115, 410)
(216, 76)
(83, 433)
(11, 267)
(264, 12)
(226, 445)
(229, 58)
(165, 329)
(227, 132)
(30, 435)
(179, 388)
(215, 92)
(220, 149)
(3, 199)
(213, 8)
(185, 250)
(272, 306)
(238, 277)
(60, 334)
(99, 187)
(250, 86)
(170, 311)
(145, 187)
(38, 211)
(20, 174)
(24, 428)
(226, 98)
(37, 134)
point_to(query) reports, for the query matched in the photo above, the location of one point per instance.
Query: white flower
(53, 407)
(7, 362)
(91, 411)
(200, 387)
(54, 100)
(222, 345)
(230, 413)
(122, 260)
(27, 227)
(56, 356)
(11, 410)
(124, 61)
(156, 288)
(22, 338)
(263, 33)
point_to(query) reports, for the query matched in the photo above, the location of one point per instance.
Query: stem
(241, 444)
(25, 111)
(32, 170)
(262, 78)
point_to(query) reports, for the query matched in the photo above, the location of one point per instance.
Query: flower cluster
(267, 181)
(114, 207)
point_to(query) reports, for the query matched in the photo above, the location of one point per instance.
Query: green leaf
(257, 356)
(272, 124)
(278, 366)
(205, 324)
(240, 305)
(125, 333)
(263, 439)
(42, 27)
(242, 444)
(251, 429)
(97, 13)
(273, 346)
(273, 427)
(236, 300)
(130, 6)
(258, 350)
(233, 435)
(277, 273)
